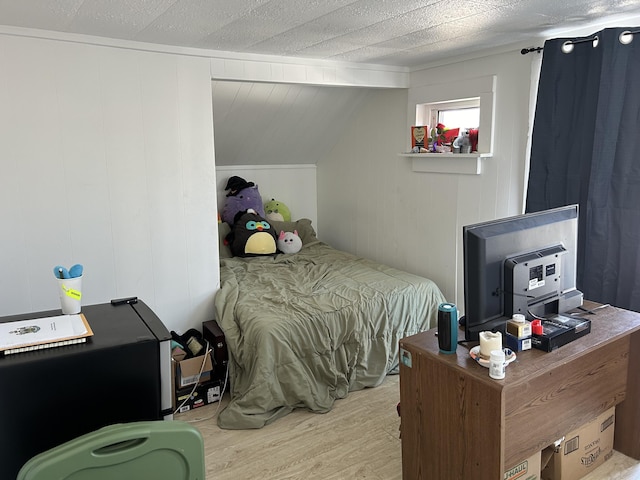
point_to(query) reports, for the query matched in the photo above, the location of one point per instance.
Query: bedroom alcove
(355, 307)
(342, 170)
(278, 134)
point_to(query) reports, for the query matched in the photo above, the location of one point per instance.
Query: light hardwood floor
(358, 439)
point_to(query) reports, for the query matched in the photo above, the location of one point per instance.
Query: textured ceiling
(406, 33)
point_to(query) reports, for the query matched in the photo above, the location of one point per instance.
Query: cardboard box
(528, 469)
(186, 371)
(204, 394)
(519, 330)
(583, 450)
(560, 330)
(518, 344)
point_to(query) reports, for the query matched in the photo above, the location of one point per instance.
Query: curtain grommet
(626, 37)
(567, 47)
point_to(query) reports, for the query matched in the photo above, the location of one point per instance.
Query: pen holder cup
(70, 290)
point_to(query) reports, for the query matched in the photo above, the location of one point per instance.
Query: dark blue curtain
(586, 150)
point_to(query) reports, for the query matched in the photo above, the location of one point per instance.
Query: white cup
(70, 290)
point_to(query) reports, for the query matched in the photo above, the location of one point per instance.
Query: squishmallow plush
(251, 235)
(289, 242)
(462, 140)
(242, 196)
(275, 210)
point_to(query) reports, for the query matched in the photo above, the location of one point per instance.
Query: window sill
(460, 163)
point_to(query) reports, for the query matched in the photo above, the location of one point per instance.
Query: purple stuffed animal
(242, 196)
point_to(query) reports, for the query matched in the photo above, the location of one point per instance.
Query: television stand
(457, 422)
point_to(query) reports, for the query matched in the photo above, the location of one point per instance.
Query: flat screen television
(522, 264)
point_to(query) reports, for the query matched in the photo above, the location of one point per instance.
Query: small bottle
(518, 326)
(497, 364)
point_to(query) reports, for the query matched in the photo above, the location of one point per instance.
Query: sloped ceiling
(279, 124)
(406, 33)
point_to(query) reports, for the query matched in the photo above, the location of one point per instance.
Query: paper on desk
(40, 330)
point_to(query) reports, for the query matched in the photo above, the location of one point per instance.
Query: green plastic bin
(158, 450)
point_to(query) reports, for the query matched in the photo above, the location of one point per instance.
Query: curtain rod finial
(524, 51)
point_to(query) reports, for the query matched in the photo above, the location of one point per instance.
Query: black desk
(122, 374)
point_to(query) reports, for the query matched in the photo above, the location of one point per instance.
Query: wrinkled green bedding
(305, 329)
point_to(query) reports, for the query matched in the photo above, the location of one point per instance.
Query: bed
(305, 329)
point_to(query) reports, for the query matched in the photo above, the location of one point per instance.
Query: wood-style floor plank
(357, 439)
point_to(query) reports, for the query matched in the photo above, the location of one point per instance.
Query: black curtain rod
(595, 37)
(524, 51)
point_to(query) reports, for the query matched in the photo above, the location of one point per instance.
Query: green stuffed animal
(278, 211)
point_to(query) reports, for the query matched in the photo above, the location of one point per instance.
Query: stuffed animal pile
(251, 233)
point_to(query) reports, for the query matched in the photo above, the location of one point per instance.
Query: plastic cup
(70, 290)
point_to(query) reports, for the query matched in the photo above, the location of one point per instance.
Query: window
(468, 117)
(433, 104)
(464, 113)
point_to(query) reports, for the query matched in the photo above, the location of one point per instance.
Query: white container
(497, 365)
(70, 290)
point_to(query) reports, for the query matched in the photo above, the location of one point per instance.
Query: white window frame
(424, 102)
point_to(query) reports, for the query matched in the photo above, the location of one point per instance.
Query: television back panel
(532, 278)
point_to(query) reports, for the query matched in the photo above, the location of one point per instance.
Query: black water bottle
(447, 328)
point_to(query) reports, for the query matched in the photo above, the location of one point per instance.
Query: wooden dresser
(458, 423)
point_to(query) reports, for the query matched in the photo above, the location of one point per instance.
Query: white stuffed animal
(289, 242)
(462, 140)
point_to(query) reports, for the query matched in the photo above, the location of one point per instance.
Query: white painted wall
(372, 204)
(499, 190)
(106, 148)
(107, 160)
(363, 185)
(269, 68)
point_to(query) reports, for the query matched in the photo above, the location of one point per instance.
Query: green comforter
(305, 329)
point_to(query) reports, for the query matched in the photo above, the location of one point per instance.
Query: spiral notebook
(41, 333)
